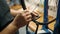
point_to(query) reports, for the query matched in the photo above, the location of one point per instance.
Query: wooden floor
(32, 25)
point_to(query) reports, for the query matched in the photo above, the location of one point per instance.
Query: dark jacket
(5, 16)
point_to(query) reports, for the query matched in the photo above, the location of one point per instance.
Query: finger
(26, 11)
(29, 20)
(28, 17)
(34, 14)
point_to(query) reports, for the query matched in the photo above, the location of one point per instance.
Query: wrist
(16, 24)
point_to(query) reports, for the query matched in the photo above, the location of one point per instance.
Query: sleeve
(5, 16)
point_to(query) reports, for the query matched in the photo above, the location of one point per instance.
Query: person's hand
(35, 15)
(22, 19)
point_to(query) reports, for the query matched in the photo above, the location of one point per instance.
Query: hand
(22, 19)
(35, 15)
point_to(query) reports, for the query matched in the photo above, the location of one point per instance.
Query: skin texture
(20, 20)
